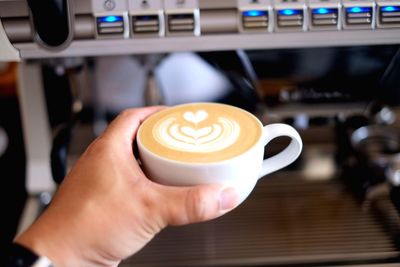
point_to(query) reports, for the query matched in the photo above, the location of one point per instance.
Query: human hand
(106, 209)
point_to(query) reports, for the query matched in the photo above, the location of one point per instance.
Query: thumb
(184, 205)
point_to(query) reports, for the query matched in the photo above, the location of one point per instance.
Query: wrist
(44, 241)
(44, 248)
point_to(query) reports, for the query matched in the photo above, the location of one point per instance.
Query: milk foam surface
(203, 132)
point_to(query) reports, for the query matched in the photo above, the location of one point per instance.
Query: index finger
(125, 126)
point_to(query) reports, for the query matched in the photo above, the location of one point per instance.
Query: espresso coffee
(200, 132)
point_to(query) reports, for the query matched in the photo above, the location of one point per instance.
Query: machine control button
(146, 24)
(290, 15)
(109, 5)
(182, 17)
(147, 18)
(290, 18)
(324, 17)
(388, 14)
(255, 15)
(358, 14)
(110, 25)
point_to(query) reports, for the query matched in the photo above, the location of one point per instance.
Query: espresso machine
(330, 68)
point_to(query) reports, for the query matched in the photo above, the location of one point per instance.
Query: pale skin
(107, 209)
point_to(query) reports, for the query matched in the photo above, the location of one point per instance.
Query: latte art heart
(195, 117)
(196, 133)
(185, 135)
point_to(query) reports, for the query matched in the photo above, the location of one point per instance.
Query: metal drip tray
(287, 220)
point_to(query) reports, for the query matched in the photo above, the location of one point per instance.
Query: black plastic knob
(52, 22)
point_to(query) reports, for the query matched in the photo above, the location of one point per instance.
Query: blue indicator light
(110, 19)
(320, 11)
(289, 12)
(390, 8)
(354, 10)
(254, 13)
(323, 11)
(358, 9)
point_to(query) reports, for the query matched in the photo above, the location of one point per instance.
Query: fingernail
(228, 199)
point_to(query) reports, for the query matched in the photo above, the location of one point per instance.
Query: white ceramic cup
(240, 172)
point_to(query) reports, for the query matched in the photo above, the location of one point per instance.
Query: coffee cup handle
(285, 157)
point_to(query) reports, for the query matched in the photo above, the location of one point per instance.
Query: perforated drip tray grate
(287, 220)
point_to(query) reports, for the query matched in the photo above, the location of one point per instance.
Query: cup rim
(141, 146)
